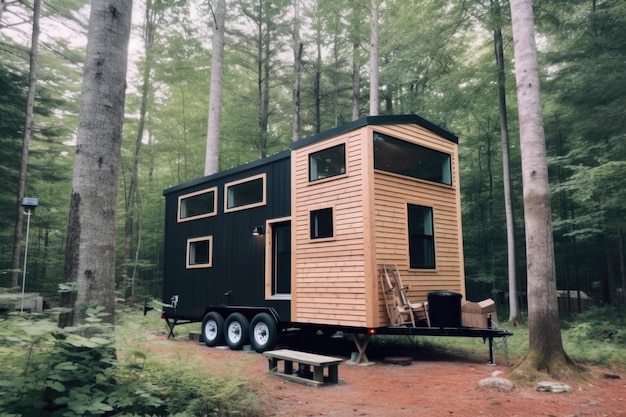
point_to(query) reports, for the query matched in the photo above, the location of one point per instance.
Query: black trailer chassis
(360, 335)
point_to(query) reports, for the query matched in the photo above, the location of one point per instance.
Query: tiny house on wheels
(309, 238)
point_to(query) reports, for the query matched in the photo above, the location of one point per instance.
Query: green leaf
(13, 382)
(55, 385)
(79, 341)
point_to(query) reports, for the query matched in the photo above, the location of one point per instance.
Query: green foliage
(78, 371)
(596, 336)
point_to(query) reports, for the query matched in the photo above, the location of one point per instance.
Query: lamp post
(29, 204)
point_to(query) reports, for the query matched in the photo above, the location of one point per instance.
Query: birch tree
(90, 247)
(545, 346)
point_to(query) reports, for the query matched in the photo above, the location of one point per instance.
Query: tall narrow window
(421, 237)
(327, 163)
(246, 193)
(197, 205)
(322, 223)
(200, 252)
(281, 259)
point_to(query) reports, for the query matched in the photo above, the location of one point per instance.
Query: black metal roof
(356, 124)
(377, 120)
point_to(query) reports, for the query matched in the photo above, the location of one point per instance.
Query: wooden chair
(401, 311)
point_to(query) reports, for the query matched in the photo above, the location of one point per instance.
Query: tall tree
(374, 58)
(260, 48)
(151, 15)
(545, 347)
(297, 70)
(90, 247)
(212, 160)
(498, 46)
(28, 120)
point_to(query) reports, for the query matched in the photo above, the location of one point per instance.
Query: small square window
(327, 163)
(200, 252)
(322, 223)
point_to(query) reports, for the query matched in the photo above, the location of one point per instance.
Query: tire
(263, 332)
(236, 331)
(213, 329)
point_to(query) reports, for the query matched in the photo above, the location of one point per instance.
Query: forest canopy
(437, 62)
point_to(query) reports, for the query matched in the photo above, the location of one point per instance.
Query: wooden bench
(305, 361)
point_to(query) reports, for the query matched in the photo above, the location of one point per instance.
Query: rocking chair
(401, 311)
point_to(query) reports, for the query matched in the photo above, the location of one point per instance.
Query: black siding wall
(238, 257)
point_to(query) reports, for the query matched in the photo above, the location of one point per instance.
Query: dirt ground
(434, 384)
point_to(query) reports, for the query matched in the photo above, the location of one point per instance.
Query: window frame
(193, 240)
(424, 238)
(183, 197)
(270, 263)
(229, 185)
(331, 177)
(447, 178)
(332, 225)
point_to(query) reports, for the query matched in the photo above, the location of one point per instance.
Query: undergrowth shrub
(597, 336)
(76, 371)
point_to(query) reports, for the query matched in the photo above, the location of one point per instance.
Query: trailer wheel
(236, 333)
(213, 329)
(263, 332)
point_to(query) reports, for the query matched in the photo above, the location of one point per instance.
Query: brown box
(474, 314)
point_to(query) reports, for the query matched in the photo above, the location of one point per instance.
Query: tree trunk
(356, 82)
(297, 71)
(317, 86)
(90, 248)
(3, 5)
(374, 59)
(212, 161)
(545, 347)
(148, 36)
(28, 121)
(514, 315)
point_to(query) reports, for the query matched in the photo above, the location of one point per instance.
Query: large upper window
(421, 237)
(405, 158)
(246, 193)
(327, 163)
(197, 205)
(200, 252)
(321, 223)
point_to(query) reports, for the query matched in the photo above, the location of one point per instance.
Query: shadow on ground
(379, 347)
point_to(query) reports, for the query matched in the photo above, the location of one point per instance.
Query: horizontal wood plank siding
(328, 274)
(392, 193)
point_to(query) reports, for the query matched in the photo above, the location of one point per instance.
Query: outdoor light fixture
(29, 204)
(257, 231)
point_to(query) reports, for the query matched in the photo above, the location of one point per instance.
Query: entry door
(281, 258)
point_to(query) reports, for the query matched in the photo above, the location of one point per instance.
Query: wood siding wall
(392, 193)
(328, 284)
(335, 281)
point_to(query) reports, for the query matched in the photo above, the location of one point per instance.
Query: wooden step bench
(303, 372)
